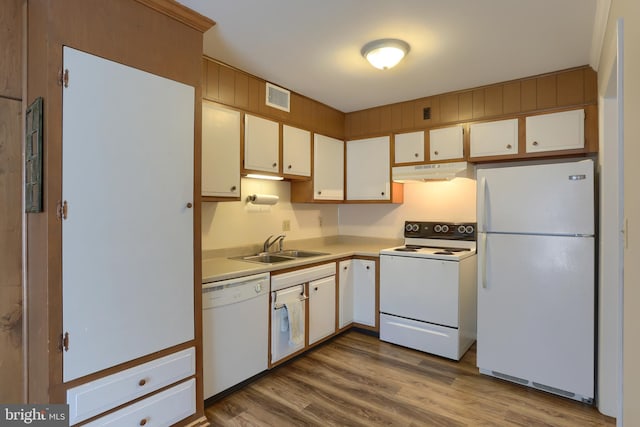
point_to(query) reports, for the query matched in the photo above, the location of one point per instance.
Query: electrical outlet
(286, 225)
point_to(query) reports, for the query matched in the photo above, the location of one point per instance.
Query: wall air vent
(278, 97)
(426, 113)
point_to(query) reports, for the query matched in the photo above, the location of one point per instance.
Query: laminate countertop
(218, 265)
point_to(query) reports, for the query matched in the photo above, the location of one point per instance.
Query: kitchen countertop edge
(218, 268)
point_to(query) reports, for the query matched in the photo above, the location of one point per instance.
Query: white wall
(453, 200)
(231, 224)
(629, 11)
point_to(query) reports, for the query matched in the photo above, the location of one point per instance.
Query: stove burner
(443, 253)
(406, 249)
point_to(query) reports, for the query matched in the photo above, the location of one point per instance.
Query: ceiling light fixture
(385, 53)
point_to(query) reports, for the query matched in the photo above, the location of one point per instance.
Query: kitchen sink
(295, 253)
(281, 256)
(265, 258)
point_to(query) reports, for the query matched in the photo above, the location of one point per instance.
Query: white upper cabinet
(556, 131)
(409, 147)
(497, 138)
(446, 143)
(220, 151)
(296, 151)
(368, 169)
(261, 144)
(328, 168)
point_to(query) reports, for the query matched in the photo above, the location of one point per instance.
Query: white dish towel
(295, 313)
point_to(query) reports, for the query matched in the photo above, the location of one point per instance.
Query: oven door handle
(482, 260)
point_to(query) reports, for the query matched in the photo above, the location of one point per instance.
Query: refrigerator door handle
(482, 260)
(482, 197)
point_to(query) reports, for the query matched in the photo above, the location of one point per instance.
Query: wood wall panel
(478, 103)
(11, 49)
(570, 88)
(590, 86)
(396, 116)
(529, 95)
(465, 106)
(212, 82)
(546, 92)
(493, 101)
(242, 90)
(256, 87)
(11, 250)
(227, 86)
(449, 108)
(511, 98)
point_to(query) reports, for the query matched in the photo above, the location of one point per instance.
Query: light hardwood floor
(357, 380)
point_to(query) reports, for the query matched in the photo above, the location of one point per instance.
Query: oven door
(421, 289)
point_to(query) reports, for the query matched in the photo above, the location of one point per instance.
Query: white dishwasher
(235, 331)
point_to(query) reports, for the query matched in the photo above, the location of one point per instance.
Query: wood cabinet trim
(180, 13)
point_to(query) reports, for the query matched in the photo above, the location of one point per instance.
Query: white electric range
(428, 289)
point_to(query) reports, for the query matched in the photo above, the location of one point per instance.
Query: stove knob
(437, 228)
(415, 227)
(445, 228)
(461, 229)
(469, 229)
(408, 227)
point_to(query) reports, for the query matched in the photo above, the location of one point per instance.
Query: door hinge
(61, 210)
(63, 77)
(64, 341)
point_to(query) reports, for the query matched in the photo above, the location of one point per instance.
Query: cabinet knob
(315, 288)
(534, 143)
(143, 422)
(435, 153)
(189, 205)
(508, 146)
(319, 192)
(233, 188)
(382, 193)
(142, 382)
(344, 268)
(274, 164)
(415, 154)
(368, 267)
(289, 167)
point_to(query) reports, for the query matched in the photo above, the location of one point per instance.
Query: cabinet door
(557, 131)
(446, 143)
(368, 169)
(409, 147)
(296, 151)
(261, 144)
(364, 292)
(220, 151)
(127, 240)
(345, 293)
(494, 138)
(322, 308)
(328, 168)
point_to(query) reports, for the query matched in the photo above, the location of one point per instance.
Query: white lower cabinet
(357, 293)
(322, 308)
(162, 409)
(345, 293)
(96, 397)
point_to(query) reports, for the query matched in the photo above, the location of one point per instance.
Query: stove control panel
(440, 230)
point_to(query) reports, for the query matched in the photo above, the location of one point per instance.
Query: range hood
(437, 171)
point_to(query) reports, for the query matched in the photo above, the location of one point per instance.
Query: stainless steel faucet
(269, 243)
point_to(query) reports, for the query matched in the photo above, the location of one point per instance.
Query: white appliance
(428, 289)
(536, 286)
(435, 171)
(235, 332)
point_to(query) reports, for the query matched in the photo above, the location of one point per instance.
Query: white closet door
(127, 241)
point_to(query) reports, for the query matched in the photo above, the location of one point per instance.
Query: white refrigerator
(536, 276)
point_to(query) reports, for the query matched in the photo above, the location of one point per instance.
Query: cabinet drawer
(98, 396)
(163, 409)
(304, 275)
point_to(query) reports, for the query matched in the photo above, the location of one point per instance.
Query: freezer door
(536, 310)
(555, 198)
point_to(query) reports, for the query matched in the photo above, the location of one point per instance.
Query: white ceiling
(313, 47)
